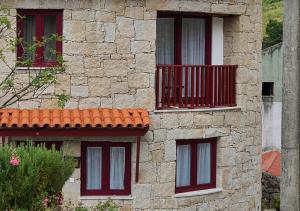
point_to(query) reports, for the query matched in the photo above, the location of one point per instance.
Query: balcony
(195, 86)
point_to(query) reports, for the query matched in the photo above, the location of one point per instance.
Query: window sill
(30, 68)
(175, 110)
(114, 197)
(43, 67)
(198, 193)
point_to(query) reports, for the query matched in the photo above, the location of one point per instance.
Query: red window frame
(39, 14)
(178, 16)
(193, 174)
(105, 169)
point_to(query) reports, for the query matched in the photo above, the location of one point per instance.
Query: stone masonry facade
(109, 46)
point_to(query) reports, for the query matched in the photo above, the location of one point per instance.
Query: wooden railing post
(157, 86)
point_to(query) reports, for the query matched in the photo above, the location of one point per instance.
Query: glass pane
(193, 50)
(28, 36)
(165, 41)
(94, 168)
(183, 165)
(117, 168)
(203, 163)
(193, 41)
(49, 31)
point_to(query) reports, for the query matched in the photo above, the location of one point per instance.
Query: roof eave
(75, 132)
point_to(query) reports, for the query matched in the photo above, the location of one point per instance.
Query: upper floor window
(183, 39)
(189, 62)
(40, 34)
(195, 165)
(106, 168)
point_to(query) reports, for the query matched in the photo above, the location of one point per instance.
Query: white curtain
(165, 41)
(203, 163)
(49, 30)
(94, 170)
(117, 168)
(192, 48)
(29, 34)
(183, 165)
(193, 41)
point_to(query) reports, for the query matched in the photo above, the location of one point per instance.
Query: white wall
(217, 41)
(271, 125)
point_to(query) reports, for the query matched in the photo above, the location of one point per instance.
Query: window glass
(183, 167)
(38, 26)
(203, 163)
(165, 41)
(117, 168)
(267, 88)
(94, 171)
(49, 31)
(193, 41)
(29, 35)
(196, 165)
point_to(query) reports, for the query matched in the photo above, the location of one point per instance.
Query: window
(195, 165)
(183, 39)
(48, 144)
(105, 168)
(267, 88)
(39, 25)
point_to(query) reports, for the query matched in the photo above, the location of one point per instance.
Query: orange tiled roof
(271, 162)
(74, 118)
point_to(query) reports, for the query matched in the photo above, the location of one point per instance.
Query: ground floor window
(106, 168)
(195, 164)
(48, 144)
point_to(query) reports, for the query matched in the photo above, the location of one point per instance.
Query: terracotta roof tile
(72, 118)
(271, 162)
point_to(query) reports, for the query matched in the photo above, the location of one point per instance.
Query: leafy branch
(34, 81)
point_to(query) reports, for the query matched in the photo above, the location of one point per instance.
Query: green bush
(36, 180)
(108, 205)
(273, 33)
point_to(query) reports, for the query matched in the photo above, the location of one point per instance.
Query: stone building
(181, 81)
(290, 148)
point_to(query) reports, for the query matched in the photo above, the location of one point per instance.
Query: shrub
(107, 205)
(32, 177)
(273, 33)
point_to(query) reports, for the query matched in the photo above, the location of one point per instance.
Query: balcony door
(182, 42)
(193, 41)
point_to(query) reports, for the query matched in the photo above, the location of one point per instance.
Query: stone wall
(270, 191)
(110, 49)
(290, 148)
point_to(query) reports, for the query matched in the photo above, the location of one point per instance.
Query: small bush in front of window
(32, 177)
(107, 205)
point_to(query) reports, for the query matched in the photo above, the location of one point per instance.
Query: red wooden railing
(195, 86)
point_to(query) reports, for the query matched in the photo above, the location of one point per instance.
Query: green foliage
(268, 2)
(272, 10)
(272, 22)
(40, 174)
(108, 205)
(273, 34)
(276, 202)
(62, 99)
